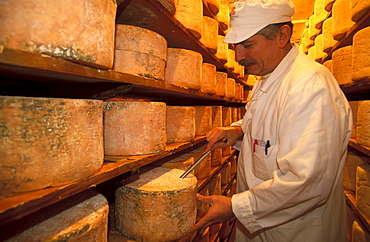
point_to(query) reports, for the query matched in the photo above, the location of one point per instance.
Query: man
(292, 140)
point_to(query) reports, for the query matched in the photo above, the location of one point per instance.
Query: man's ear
(284, 35)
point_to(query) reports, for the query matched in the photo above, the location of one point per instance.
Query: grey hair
(270, 31)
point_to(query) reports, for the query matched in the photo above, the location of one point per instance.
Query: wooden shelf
(18, 206)
(19, 68)
(351, 201)
(361, 148)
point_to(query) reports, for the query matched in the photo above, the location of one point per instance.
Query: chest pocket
(263, 165)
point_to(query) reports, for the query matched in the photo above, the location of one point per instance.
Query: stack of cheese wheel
(84, 32)
(48, 142)
(156, 205)
(180, 121)
(82, 217)
(184, 68)
(190, 14)
(134, 127)
(140, 51)
(361, 55)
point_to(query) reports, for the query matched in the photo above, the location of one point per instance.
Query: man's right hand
(232, 134)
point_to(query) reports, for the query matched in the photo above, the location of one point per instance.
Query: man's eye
(247, 46)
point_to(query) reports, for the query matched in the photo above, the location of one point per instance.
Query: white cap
(250, 16)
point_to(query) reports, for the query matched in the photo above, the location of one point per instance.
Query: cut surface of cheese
(39, 133)
(361, 55)
(180, 121)
(156, 205)
(124, 135)
(83, 33)
(184, 68)
(82, 217)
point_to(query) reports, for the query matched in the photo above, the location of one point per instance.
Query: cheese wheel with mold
(363, 188)
(180, 121)
(156, 205)
(208, 81)
(223, 15)
(40, 133)
(342, 65)
(140, 52)
(82, 217)
(203, 169)
(222, 48)
(221, 79)
(134, 127)
(84, 32)
(203, 119)
(327, 31)
(353, 160)
(209, 34)
(342, 22)
(363, 123)
(184, 68)
(361, 55)
(190, 14)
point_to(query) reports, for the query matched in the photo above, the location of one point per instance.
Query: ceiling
(304, 9)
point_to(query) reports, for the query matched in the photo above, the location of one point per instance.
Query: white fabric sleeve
(238, 143)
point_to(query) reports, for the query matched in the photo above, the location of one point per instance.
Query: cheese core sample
(180, 123)
(140, 52)
(44, 133)
(342, 65)
(134, 127)
(363, 123)
(190, 14)
(82, 217)
(83, 33)
(156, 205)
(361, 55)
(184, 68)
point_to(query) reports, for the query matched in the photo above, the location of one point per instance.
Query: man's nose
(239, 53)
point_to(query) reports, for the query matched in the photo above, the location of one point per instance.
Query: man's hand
(232, 134)
(219, 211)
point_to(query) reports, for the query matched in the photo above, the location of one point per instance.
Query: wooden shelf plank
(351, 201)
(15, 207)
(361, 148)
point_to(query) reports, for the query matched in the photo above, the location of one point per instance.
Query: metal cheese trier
(224, 140)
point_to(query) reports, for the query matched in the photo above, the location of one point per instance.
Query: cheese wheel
(341, 18)
(329, 64)
(354, 107)
(359, 232)
(124, 135)
(83, 217)
(313, 31)
(361, 55)
(216, 116)
(209, 34)
(182, 162)
(190, 14)
(40, 133)
(358, 9)
(225, 173)
(363, 188)
(203, 119)
(230, 59)
(180, 124)
(203, 169)
(363, 123)
(222, 48)
(156, 205)
(320, 13)
(230, 88)
(342, 65)
(320, 54)
(140, 51)
(223, 16)
(221, 79)
(215, 185)
(202, 208)
(327, 31)
(84, 32)
(354, 158)
(208, 81)
(184, 68)
(226, 116)
(328, 4)
(213, 5)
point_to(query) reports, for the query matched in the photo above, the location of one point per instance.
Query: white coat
(292, 190)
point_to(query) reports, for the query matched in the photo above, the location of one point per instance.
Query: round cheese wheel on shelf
(361, 55)
(48, 142)
(342, 21)
(363, 123)
(208, 80)
(190, 14)
(209, 35)
(140, 51)
(84, 32)
(82, 217)
(156, 205)
(180, 121)
(342, 65)
(134, 127)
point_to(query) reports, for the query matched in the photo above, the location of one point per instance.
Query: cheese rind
(342, 65)
(361, 55)
(180, 123)
(156, 205)
(124, 135)
(363, 123)
(84, 32)
(190, 14)
(39, 133)
(363, 188)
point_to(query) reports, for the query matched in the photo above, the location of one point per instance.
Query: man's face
(259, 55)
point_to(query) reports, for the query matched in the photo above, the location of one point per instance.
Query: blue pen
(267, 146)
